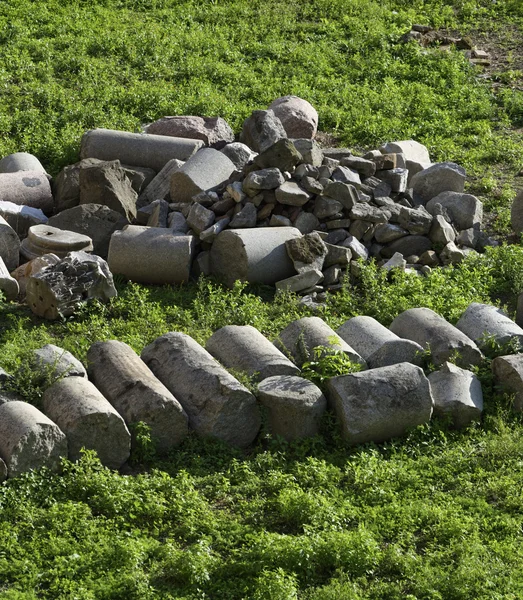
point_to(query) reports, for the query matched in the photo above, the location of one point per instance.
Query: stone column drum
(218, 405)
(136, 149)
(151, 255)
(27, 188)
(88, 421)
(29, 439)
(130, 386)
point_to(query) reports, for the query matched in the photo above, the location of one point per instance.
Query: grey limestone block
(137, 149)
(151, 255)
(29, 439)
(480, 321)
(290, 193)
(27, 188)
(430, 330)
(295, 406)
(217, 404)
(380, 404)
(299, 339)
(282, 154)
(439, 177)
(207, 169)
(261, 130)
(88, 420)
(508, 373)
(55, 362)
(20, 161)
(464, 210)
(240, 154)
(133, 390)
(300, 282)
(9, 245)
(263, 179)
(255, 255)
(159, 188)
(244, 348)
(21, 217)
(457, 394)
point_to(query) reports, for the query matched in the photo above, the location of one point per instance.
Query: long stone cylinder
(88, 420)
(481, 321)
(255, 255)
(244, 348)
(151, 255)
(27, 188)
(130, 386)
(137, 149)
(431, 330)
(29, 439)
(218, 405)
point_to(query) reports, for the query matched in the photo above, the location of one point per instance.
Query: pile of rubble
(177, 385)
(185, 199)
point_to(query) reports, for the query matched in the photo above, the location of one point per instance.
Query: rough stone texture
(388, 232)
(44, 239)
(27, 188)
(27, 270)
(482, 321)
(200, 218)
(136, 149)
(240, 154)
(290, 193)
(416, 155)
(213, 131)
(244, 348)
(8, 285)
(302, 281)
(139, 177)
(160, 186)
(457, 394)
(307, 252)
(216, 403)
(55, 362)
(396, 178)
(357, 249)
(261, 130)
(408, 246)
(130, 386)
(311, 152)
(255, 255)
(440, 177)
(66, 186)
(346, 175)
(508, 373)
(58, 290)
(95, 221)
(21, 217)
(20, 161)
(151, 255)
(299, 339)
(88, 420)
(207, 169)
(464, 210)
(451, 254)
(298, 117)
(28, 439)
(107, 184)
(282, 154)
(441, 232)
(209, 234)
(379, 404)
(429, 329)
(516, 213)
(376, 344)
(265, 179)
(294, 405)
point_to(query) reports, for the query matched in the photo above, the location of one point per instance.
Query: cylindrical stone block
(295, 406)
(20, 161)
(8, 285)
(44, 239)
(244, 348)
(29, 439)
(88, 420)
(130, 386)
(54, 362)
(151, 255)
(301, 337)
(482, 321)
(218, 405)
(380, 404)
(457, 394)
(376, 344)
(137, 149)
(9, 245)
(432, 331)
(27, 188)
(255, 255)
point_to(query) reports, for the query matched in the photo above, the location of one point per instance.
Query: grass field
(435, 515)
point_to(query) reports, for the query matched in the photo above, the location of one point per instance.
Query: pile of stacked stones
(177, 385)
(184, 199)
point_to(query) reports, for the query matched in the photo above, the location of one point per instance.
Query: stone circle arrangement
(184, 199)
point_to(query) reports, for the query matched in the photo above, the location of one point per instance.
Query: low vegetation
(435, 515)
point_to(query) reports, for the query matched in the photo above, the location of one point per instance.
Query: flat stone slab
(44, 239)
